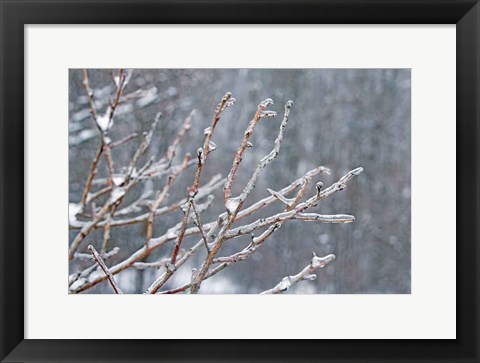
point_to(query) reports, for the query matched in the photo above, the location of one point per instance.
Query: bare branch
(124, 140)
(187, 124)
(156, 265)
(306, 274)
(336, 218)
(143, 146)
(287, 201)
(82, 276)
(89, 90)
(198, 223)
(105, 269)
(88, 256)
(162, 195)
(226, 102)
(245, 143)
(91, 175)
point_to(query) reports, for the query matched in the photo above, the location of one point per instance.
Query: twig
(88, 256)
(89, 90)
(124, 140)
(143, 146)
(306, 274)
(136, 205)
(187, 124)
(105, 269)
(198, 223)
(162, 195)
(204, 191)
(83, 275)
(202, 155)
(108, 157)
(336, 218)
(260, 113)
(91, 175)
(107, 228)
(156, 265)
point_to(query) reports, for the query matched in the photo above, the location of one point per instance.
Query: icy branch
(306, 274)
(245, 143)
(105, 269)
(226, 102)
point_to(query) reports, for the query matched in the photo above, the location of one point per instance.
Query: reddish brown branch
(243, 146)
(91, 176)
(202, 155)
(187, 124)
(124, 140)
(105, 269)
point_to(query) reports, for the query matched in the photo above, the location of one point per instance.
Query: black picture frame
(16, 14)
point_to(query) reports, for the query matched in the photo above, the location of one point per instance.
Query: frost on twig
(261, 113)
(157, 264)
(306, 274)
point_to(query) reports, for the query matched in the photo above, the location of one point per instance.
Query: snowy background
(341, 119)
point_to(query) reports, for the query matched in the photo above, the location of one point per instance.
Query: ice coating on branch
(207, 130)
(265, 103)
(310, 277)
(318, 262)
(268, 113)
(80, 282)
(285, 284)
(249, 144)
(230, 102)
(232, 205)
(225, 102)
(185, 207)
(357, 171)
(212, 146)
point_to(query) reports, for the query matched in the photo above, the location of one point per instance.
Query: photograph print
(239, 181)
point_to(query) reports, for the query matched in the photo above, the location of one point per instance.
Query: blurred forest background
(341, 118)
